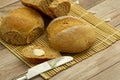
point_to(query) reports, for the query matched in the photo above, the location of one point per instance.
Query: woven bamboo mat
(106, 36)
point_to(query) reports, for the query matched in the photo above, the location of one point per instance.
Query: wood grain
(109, 73)
(99, 63)
(105, 65)
(91, 66)
(4, 3)
(10, 66)
(89, 3)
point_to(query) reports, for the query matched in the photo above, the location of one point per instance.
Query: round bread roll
(21, 26)
(70, 34)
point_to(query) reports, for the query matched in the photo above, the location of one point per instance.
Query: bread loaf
(70, 34)
(21, 26)
(52, 8)
(37, 54)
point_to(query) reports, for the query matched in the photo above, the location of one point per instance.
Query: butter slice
(38, 52)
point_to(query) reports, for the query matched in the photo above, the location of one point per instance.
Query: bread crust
(21, 26)
(50, 53)
(70, 34)
(52, 8)
(60, 7)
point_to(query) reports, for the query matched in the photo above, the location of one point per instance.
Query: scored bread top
(64, 22)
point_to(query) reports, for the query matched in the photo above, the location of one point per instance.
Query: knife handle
(22, 78)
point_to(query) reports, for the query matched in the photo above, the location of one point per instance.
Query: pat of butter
(38, 52)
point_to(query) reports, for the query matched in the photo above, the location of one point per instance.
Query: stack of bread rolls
(65, 33)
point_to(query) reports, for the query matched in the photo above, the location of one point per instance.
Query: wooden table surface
(104, 65)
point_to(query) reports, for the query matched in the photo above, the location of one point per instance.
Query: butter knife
(45, 66)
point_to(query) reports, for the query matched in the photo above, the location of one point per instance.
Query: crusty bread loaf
(21, 26)
(52, 8)
(70, 34)
(37, 54)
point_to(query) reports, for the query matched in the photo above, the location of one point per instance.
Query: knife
(45, 66)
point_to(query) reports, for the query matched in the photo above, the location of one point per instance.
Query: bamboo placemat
(106, 36)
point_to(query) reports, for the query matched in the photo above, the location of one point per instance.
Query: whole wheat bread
(21, 26)
(52, 8)
(40, 53)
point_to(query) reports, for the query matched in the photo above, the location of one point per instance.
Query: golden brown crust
(50, 53)
(70, 34)
(21, 26)
(41, 5)
(52, 8)
(60, 8)
(37, 61)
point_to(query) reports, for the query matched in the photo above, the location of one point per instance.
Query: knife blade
(45, 66)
